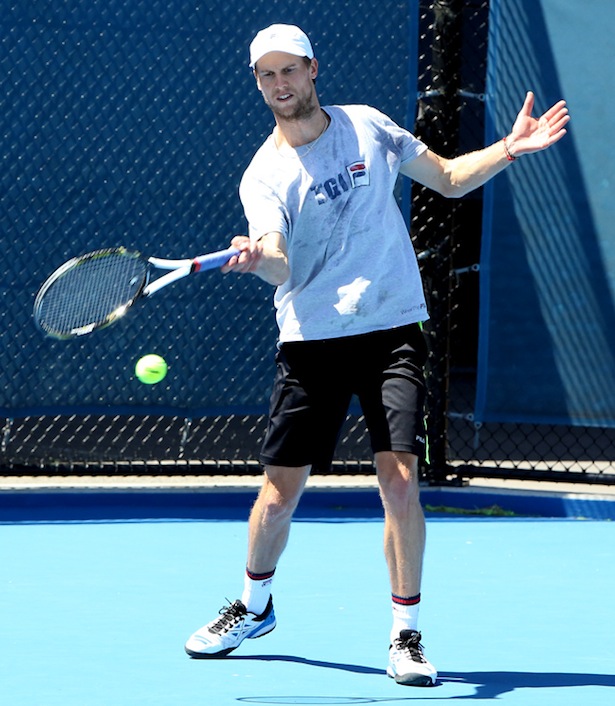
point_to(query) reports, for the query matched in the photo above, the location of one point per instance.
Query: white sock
(257, 591)
(405, 614)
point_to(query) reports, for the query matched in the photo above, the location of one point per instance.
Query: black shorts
(314, 385)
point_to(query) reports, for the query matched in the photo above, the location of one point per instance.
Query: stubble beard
(304, 109)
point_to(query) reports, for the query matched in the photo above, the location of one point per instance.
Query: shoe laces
(410, 641)
(229, 617)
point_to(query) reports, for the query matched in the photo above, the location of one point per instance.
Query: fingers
(559, 124)
(524, 117)
(556, 137)
(528, 104)
(240, 241)
(556, 112)
(556, 119)
(535, 134)
(557, 115)
(247, 259)
(238, 263)
(554, 122)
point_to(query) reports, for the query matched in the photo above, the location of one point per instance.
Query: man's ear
(313, 69)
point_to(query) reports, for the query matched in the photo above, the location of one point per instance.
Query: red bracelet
(510, 157)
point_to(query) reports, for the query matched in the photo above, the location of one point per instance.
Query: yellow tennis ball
(151, 369)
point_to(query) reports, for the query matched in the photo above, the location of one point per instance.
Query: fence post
(433, 219)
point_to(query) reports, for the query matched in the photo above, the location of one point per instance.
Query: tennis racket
(96, 289)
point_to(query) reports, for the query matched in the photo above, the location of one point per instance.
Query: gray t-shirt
(353, 269)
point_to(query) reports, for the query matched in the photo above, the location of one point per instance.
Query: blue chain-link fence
(125, 122)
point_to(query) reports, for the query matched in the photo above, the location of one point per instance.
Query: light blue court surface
(96, 613)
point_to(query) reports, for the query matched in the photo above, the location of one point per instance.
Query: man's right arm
(267, 257)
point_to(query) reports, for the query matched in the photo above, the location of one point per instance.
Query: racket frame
(176, 270)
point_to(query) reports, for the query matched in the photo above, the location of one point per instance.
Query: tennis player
(325, 229)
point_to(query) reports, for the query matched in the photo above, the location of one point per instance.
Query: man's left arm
(456, 177)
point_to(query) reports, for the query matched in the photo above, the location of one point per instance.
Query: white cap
(285, 38)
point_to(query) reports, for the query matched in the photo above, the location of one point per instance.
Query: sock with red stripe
(256, 591)
(405, 614)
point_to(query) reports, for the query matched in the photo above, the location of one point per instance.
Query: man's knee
(398, 478)
(282, 489)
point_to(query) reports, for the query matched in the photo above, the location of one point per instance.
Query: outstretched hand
(531, 134)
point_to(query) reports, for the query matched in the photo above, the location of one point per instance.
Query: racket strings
(91, 293)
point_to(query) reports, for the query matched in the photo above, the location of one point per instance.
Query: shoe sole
(411, 679)
(224, 653)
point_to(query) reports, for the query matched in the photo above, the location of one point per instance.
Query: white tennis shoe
(224, 634)
(407, 663)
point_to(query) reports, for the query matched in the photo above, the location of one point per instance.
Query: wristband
(509, 156)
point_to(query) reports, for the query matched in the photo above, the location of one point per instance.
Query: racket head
(90, 292)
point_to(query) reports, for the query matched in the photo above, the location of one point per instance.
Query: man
(325, 229)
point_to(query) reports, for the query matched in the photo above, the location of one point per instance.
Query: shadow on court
(488, 685)
(491, 685)
(354, 668)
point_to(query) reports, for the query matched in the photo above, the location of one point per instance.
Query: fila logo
(357, 174)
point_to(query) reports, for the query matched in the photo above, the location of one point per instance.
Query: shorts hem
(418, 449)
(270, 461)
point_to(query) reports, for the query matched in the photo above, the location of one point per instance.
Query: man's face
(287, 84)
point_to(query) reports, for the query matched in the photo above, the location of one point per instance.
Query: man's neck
(298, 132)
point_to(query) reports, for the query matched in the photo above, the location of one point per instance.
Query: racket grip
(213, 259)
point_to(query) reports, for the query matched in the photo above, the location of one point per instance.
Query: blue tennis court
(96, 612)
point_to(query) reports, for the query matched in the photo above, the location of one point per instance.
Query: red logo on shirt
(358, 173)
